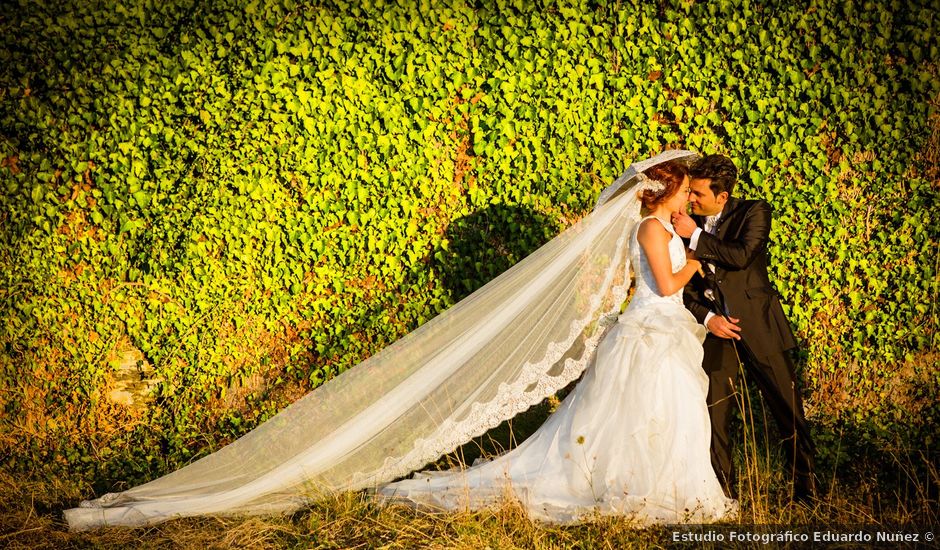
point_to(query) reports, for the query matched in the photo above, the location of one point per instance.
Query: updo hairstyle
(671, 174)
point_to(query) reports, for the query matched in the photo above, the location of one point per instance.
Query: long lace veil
(507, 346)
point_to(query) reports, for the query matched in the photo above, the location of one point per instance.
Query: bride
(632, 438)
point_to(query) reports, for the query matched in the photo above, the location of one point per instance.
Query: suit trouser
(776, 380)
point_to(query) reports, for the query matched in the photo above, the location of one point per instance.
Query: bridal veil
(507, 346)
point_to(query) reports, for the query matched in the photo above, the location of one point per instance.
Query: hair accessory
(647, 183)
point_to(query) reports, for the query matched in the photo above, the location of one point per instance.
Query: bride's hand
(690, 254)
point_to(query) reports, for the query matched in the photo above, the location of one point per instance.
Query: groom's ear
(722, 198)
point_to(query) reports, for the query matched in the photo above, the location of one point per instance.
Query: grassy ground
(30, 512)
(32, 519)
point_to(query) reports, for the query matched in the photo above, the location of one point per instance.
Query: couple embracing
(632, 438)
(644, 434)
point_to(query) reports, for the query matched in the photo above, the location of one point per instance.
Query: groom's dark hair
(719, 169)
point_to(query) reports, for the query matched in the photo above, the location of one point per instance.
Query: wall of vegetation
(255, 196)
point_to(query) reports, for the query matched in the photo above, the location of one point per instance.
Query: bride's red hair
(671, 173)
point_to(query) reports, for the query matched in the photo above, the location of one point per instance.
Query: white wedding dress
(631, 439)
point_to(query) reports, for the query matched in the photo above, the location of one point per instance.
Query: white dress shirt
(710, 223)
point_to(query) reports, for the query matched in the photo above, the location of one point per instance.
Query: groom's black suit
(741, 289)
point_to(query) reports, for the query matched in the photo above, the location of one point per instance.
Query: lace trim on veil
(513, 398)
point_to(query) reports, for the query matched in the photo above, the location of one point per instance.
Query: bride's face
(679, 202)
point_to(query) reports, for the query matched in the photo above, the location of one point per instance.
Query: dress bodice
(646, 289)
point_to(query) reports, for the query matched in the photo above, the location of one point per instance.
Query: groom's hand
(683, 224)
(724, 328)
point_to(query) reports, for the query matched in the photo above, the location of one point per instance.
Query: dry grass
(31, 518)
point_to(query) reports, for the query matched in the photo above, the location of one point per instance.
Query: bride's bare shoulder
(651, 229)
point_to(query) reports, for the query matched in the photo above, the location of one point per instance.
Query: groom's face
(703, 199)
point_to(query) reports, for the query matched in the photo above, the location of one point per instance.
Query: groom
(742, 312)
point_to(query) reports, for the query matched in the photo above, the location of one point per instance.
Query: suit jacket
(740, 285)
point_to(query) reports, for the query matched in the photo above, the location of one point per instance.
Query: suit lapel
(726, 213)
(721, 228)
